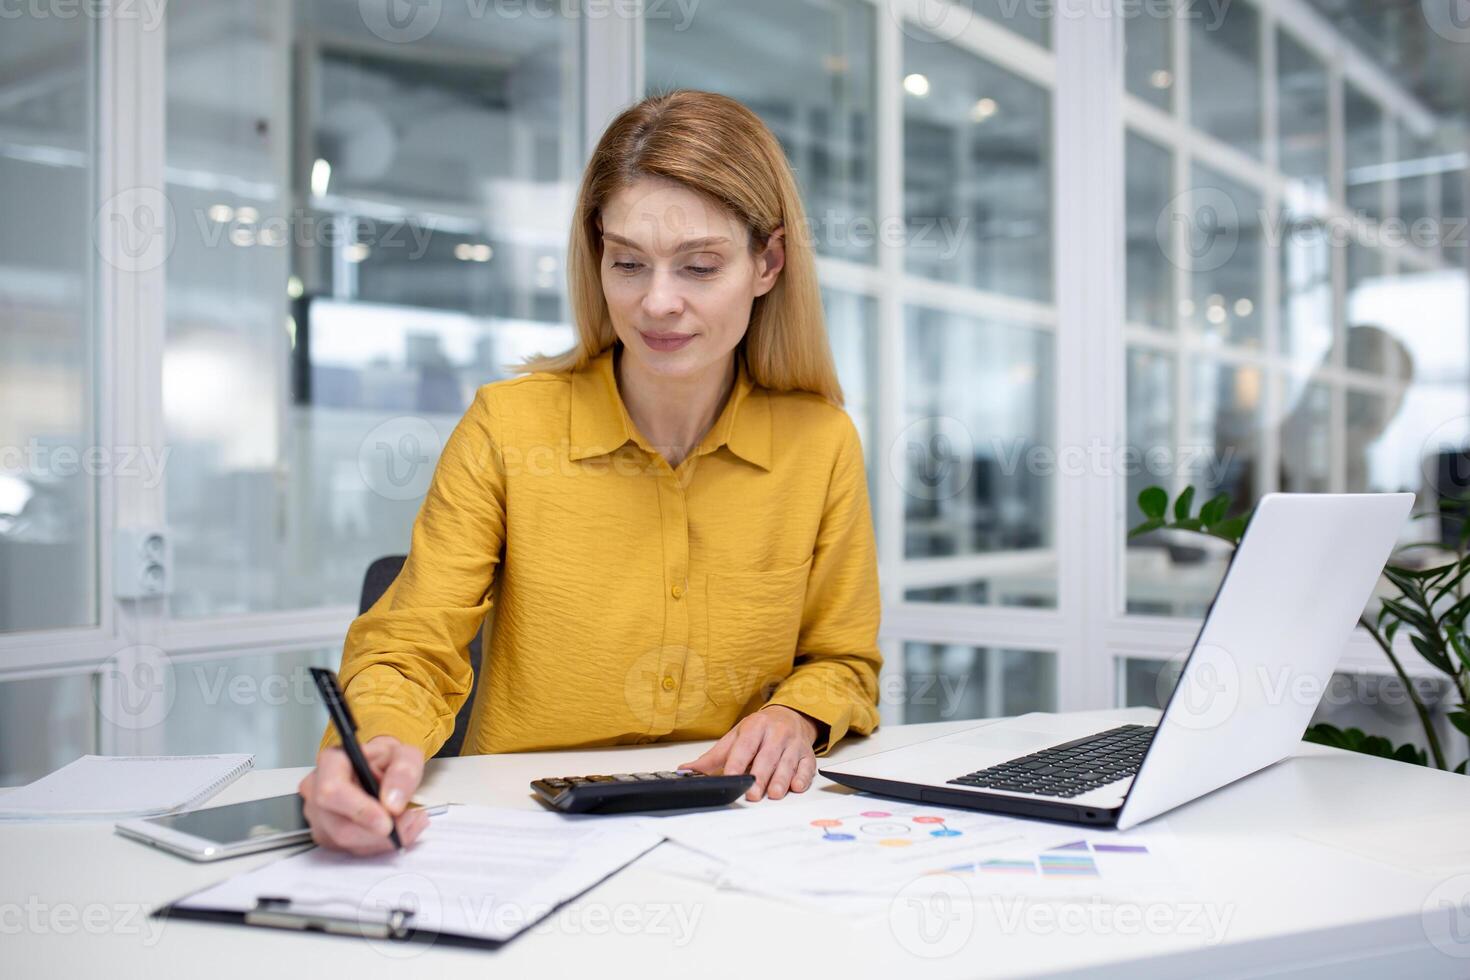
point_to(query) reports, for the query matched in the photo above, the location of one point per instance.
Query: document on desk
(834, 850)
(477, 873)
(842, 842)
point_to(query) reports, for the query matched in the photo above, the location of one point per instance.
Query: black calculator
(630, 792)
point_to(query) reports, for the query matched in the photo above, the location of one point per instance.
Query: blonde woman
(667, 526)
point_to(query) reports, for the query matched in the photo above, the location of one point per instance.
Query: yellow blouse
(626, 602)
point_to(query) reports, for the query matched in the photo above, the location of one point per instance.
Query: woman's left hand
(774, 745)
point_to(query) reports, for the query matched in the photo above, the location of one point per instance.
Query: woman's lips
(665, 342)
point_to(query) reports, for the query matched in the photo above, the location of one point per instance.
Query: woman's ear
(770, 261)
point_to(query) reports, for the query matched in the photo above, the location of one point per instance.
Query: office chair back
(380, 574)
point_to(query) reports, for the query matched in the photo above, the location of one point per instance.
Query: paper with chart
(476, 871)
(842, 842)
(833, 845)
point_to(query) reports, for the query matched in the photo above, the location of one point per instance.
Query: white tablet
(224, 831)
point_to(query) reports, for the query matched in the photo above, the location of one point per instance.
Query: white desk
(73, 897)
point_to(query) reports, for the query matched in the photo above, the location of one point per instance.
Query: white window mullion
(980, 304)
(1091, 363)
(613, 64)
(45, 650)
(978, 626)
(134, 234)
(1178, 247)
(98, 314)
(1388, 190)
(1270, 110)
(1337, 184)
(954, 22)
(888, 74)
(1273, 377)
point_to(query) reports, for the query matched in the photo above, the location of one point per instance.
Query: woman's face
(679, 276)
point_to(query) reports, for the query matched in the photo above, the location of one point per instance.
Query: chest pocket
(754, 621)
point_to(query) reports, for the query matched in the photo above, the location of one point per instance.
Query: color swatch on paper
(1067, 865)
(1077, 859)
(884, 828)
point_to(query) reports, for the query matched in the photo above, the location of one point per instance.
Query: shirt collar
(599, 422)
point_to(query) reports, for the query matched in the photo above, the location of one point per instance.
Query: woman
(667, 525)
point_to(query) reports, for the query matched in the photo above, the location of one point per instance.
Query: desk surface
(74, 897)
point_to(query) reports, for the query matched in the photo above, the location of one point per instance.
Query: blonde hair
(716, 147)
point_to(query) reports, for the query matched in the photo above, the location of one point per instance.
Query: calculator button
(645, 775)
(625, 778)
(555, 783)
(667, 775)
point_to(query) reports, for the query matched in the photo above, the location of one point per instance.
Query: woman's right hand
(341, 813)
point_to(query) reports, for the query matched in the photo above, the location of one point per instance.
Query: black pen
(326, 683)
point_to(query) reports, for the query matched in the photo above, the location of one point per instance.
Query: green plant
(1430, 609)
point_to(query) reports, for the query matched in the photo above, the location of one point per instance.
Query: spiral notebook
(97, 787)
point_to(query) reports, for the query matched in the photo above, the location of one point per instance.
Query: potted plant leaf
(1430, 608)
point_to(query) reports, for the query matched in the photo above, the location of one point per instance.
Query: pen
(326, 683)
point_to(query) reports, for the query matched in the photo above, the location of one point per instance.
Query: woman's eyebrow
(691, 245)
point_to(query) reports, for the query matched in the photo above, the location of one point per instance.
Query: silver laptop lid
(1292, 594)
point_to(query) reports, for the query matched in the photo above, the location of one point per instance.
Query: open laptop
(1291, 595)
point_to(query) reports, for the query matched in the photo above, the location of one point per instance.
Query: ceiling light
(916, 85)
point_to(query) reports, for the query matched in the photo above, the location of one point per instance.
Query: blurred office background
(256, 257)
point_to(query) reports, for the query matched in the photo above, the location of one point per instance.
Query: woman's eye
(625, 266)
(704, 270)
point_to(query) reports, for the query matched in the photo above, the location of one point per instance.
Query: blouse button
(677, 591)
(669, 683)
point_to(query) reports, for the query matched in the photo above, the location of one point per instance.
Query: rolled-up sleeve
(835, 678)
(405, 663)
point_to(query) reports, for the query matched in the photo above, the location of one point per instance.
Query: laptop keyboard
(1072, 768)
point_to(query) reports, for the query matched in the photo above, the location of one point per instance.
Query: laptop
(1291, 595)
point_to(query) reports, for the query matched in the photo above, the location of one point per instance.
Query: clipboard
(279, 912)
(550, 860)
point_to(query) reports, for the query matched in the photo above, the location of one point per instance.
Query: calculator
(634, 791)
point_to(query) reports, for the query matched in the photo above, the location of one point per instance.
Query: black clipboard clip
(278, 913)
